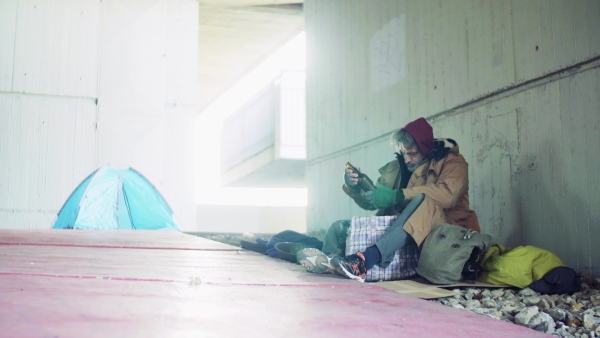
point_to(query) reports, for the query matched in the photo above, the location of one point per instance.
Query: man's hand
(383, 197)
(351, 180)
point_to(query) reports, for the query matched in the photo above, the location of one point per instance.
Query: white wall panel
(47, 147)
(134, 140)
(178, 181)
(8, 22)
(182, 53)
(56, 47)
(132, 72)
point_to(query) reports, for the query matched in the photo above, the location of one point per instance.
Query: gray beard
(412, 167)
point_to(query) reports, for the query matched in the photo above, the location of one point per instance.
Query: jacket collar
(442, 147)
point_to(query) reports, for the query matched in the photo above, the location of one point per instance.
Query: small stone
(527, 292)
(513, 302)
(569, 315)
(543, 304)
(451, 301)
(524, 316)
(488, 303)
(472, 304)
(544, 327)
(509, 309)
(562, 331)
(575, 322)
(530, 301)
(470, 294)
(480, 311)
(557, 314)
(590, 322)
(494, 314)
(542, 322)
(508, 318)
(497, 293)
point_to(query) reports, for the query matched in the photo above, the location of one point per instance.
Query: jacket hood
(441, 148)
(422, 132)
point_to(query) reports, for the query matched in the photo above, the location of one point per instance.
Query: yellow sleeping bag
(519, 266)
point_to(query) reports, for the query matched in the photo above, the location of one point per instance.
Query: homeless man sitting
(424, 165)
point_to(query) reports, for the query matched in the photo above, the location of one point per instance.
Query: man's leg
(356, 266)
(427, 217)
(334, 242)
(395, 237)
(334, 245)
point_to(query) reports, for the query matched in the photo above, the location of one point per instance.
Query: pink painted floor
(70, 283)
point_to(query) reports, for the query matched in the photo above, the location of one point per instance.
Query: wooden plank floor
(69, 283)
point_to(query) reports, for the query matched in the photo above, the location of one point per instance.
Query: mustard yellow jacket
(446, 181)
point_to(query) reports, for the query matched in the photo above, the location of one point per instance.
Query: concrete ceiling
(237, 35)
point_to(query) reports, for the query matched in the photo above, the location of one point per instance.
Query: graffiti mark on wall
(388, 54)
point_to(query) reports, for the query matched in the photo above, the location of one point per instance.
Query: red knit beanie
(422, 132)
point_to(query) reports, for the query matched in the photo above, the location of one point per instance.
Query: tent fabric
(113, 198)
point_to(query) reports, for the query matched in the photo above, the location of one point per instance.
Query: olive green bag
(446, 250)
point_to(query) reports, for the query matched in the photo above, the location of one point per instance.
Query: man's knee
(426, 217)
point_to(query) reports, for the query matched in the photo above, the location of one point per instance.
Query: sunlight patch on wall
(208, 135)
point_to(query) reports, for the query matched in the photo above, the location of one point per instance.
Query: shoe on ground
(352, 266)
(314, 260)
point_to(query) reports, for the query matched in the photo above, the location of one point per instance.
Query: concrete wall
(516, 83)
(84, 83)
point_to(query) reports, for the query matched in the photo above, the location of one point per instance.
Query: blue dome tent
(113, 198)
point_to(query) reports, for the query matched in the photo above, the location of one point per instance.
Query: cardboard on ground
(421, 288)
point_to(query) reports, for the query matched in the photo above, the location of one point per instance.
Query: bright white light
(254, 197)
(210, 123)
(290, 57)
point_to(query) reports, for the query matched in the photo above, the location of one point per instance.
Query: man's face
(412, 156)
